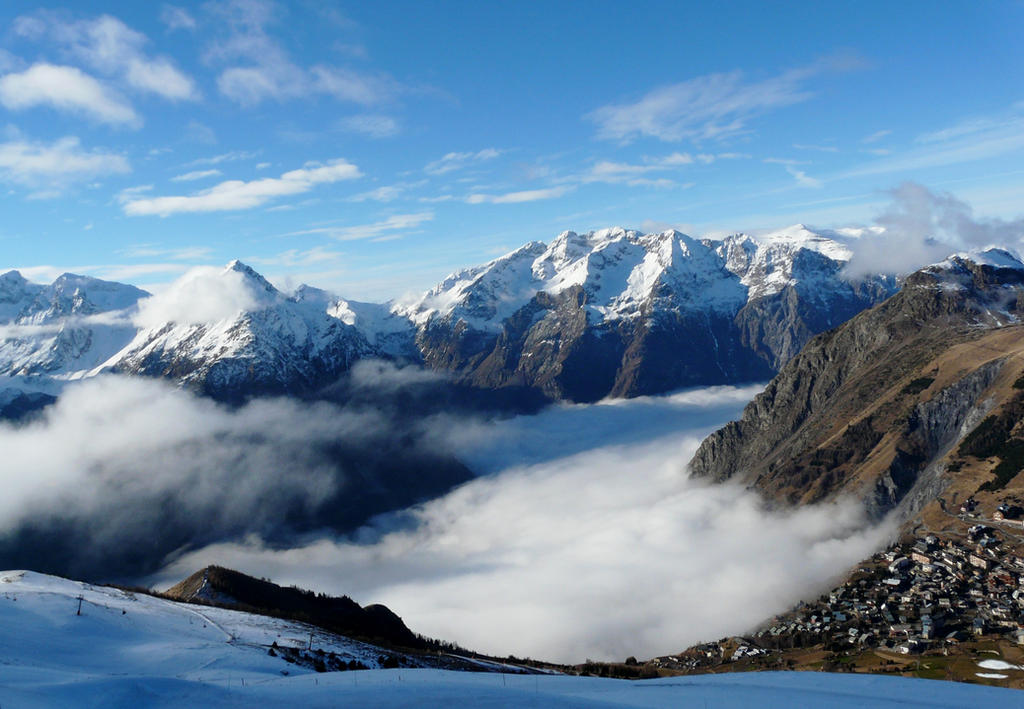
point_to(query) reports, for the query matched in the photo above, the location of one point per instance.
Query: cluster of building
(928, 594)
(918, 596)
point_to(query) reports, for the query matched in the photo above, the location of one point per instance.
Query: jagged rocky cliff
(875, 408)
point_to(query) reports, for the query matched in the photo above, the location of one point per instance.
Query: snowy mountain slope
(642, 313)
(610, 312)
(389, 334)
(63, 330)
(269, 343)
(135, 650)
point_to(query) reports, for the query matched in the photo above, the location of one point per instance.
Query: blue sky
(371, 148)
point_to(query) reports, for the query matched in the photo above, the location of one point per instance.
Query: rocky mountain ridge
(876, 408)
(611, 312)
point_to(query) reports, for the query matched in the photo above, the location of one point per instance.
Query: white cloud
(8, 62)
(251, 85)
(196, 175)
(706, 107)
(593, 544)
(233, 156)
(197, 132)
(202, 296)
(188, 253)
(802, 178)
(967, 141)
(674, 159)
(876, 136)
(133, 271)
(607, 171)
(520, 196)
(457, 161)
(817, 148)
(110, 46)
(65, 88)
(263, 70)
(56, 164)
(237, 194)
(386, 193)
(299, 258)
(377, 230)
(132, 192)
(349, 85)
(633, 174)
(177, 18)
(123, 458)
(920, 227)
(373, 125)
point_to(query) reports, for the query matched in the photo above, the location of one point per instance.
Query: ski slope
(128, 650)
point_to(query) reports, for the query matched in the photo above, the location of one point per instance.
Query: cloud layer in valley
(599, 546)
(121, 472)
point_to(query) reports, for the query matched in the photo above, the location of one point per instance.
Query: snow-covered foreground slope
(133, 650)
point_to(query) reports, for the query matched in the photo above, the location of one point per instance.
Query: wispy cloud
(54, 165)
(876, 136)
(188, 253)
(236, 194)
(457, 161)
(177, 18)
(383, 229)
(196, 175)
(109, 46)
(386, 193)
(634, 173)
(262, 69)
(802, 178)
(370, 124)
(233, 156)
(65, 88)
(707, 107)
(966, 141)
(784, 161)
(298, 258)
(520, 196)
(817, 148)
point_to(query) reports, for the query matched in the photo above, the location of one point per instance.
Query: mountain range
(611, 312)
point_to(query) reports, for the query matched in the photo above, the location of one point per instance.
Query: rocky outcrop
(867, 409)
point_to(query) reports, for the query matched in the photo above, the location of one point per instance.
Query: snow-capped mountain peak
(250, 277)
(691, 310)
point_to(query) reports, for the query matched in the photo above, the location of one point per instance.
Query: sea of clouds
(582, 538)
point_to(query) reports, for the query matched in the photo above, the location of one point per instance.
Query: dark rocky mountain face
(626, 314)
(874, 408)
